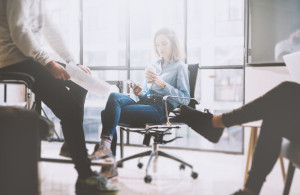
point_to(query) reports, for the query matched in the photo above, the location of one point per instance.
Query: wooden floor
(218, 174)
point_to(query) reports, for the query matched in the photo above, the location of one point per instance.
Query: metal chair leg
(142, 154)
(153, 153)
(121, 142)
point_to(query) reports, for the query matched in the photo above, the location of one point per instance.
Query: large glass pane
(65, 15)
(274, 29)
(220, 91)
(104, 32)
(146, 17)
(215, 32)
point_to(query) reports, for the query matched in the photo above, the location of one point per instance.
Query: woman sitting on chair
(168, 76)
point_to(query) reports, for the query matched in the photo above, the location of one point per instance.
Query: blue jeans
(121, 108)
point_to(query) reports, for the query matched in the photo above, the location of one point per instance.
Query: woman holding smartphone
(168, 76)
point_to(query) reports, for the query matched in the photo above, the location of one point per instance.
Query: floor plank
(218, 174)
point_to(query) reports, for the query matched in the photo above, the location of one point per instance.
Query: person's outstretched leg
(110, 117)
(280, 101)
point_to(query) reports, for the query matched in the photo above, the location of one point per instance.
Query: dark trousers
(19, 146)
(280, 111)
(66, 104)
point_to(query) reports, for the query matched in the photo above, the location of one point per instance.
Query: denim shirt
(176, 76)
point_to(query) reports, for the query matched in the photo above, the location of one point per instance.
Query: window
(104, 32)
(147, 17)
(65, 15)
(117, 44)
(215, 32)
(221, 90)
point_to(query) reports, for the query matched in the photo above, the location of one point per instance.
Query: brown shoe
(102, 152)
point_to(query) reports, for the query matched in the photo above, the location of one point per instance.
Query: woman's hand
(136, 89)
(152, 77)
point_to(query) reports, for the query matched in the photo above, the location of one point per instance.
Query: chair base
(155, 152)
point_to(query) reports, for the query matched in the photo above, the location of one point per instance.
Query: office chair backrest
(193, 70)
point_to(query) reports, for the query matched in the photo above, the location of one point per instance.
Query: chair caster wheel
(147, 179)
(182, 167)
(194, 175)
(140, 165)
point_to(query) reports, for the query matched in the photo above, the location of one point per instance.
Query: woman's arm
(183, 87)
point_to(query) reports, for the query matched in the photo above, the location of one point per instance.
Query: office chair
(28, 81)
(46, 127)
(158, 131)
(17, 78)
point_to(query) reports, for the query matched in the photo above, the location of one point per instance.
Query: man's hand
(85, 69)
(152, 77)
(136, 89)
(57, 71)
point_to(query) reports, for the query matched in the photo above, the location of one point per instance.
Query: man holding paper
(23, 26)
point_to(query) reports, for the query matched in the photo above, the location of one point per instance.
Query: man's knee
(289, 85)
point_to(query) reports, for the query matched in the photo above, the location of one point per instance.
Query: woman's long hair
(177, 54)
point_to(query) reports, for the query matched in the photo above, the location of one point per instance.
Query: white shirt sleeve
(18, 17)
(55, 40)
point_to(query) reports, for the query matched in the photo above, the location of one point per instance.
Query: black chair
(158, 131)
(17, 78)
(46, 128)
(7, 78)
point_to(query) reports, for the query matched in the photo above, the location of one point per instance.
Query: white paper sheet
(292, 62)
(88, 82)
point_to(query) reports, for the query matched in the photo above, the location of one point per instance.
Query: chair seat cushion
(291, 151)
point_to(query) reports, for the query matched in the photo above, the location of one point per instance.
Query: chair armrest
(166, 105)
(17, 78)
(169, 96)
(119, 84)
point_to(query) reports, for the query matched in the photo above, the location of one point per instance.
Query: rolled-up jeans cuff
(106, 137)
